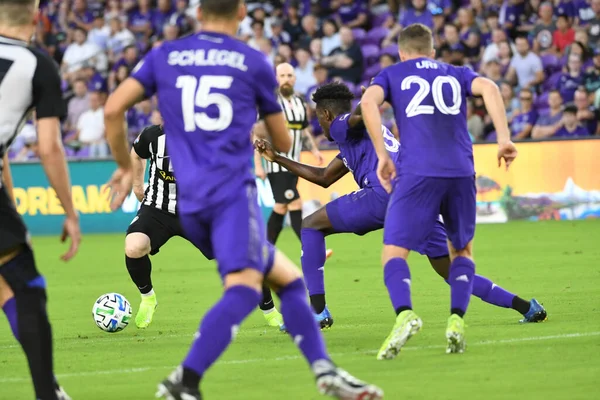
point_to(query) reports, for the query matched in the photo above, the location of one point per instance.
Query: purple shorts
(233, 233)
(414, 207)
(359, 212)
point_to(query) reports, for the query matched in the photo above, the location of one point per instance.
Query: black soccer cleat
(172, 388)
(335, 382)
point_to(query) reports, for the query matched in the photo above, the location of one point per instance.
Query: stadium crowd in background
(545, 56)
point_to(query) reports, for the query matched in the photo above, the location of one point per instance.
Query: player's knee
(249, 277)
(280, 208)
(19, 276)
(317, 220)
(283, 272)
(137, 245)
(466, 252)
(390, 251)
(295, 205)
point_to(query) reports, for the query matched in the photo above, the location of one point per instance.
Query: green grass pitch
(556, 262)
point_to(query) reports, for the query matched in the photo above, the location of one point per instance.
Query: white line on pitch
(296, 357)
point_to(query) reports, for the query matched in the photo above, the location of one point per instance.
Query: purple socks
(461, 278)
(397, 279)
(489, 292)
(300, 322)
(219, 327)
(313, 260)
(10, 309)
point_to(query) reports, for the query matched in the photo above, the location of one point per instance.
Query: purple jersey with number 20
(209, 88)
(436, 174)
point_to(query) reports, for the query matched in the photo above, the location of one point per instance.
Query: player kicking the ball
(436, 176)
(209, 87)
(364, 210)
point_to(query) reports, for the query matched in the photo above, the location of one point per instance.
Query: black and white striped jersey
(294, 109)
(29, 80)
(161, 192)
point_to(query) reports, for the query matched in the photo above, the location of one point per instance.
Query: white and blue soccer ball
(112, 312)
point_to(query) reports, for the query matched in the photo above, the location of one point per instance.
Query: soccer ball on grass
(111, 312)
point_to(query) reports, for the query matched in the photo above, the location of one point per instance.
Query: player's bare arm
(370, 102)
(312, 146)
(277, 129)
(127, 94)
(492, 98)
(52, 156)
(7, 181)
(323, 177)
(139, 167)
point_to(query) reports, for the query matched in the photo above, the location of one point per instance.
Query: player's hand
(260, 173)
(120, 186)
(265, 149)
(508, 152)
(71, 230)
(386, 172)
(319, 157)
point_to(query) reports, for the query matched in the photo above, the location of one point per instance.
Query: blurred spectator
(286, 52)
(548, 124)
(491, 50)
(591, 77)
(511, 103)
(587, 114)
(180, 18)
(25, 144)
(278, 35)
(594, 25)
(265, 46)
(304, 71)
(513, 11)
(119, 38)
(346, 61)
(352, 14)
(493, 71)
(491, 24)
(469, 32)
(543, 31)
(525, 66)
(570, 124)
(475, 124)
(140, 20)
(100, 32)
(81, 51)
(293, 24)
(79, 16)
(170, 31)
(585, 13)
(321, 77)
(331, 37)
(310, 28)
(114, 11)
(316, 50)
(138, 118)
(258, 33)
(525, 117)
(78, 104)
(90, 129)
(564, 35)
(418, 13)
(505, 56)
(571, 78)
(162, 16)
(120, 75)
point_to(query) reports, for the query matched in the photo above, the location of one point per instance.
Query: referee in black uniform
(156, 221)
(284, 184)
(29, 81)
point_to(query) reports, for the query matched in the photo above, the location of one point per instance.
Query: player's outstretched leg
(23, 300)
(217, 330)
(302, 327)
(139, 266)
(491, 293)
(460, 277)
(314, 229)
(267, 305)
(397, 280)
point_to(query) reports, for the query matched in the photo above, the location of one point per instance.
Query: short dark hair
(416, 39)
(220, 8)
(570, 108)
(14, 12)
(335, 97)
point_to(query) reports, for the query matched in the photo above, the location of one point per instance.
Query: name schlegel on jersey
(212, 57)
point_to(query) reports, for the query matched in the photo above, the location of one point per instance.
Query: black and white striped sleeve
(142, 143)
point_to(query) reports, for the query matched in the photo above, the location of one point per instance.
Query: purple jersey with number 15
(429, 101)
(209, 86)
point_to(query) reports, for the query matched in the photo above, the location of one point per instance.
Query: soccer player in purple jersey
(437, 174)
(364, 211)
(209, 87)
